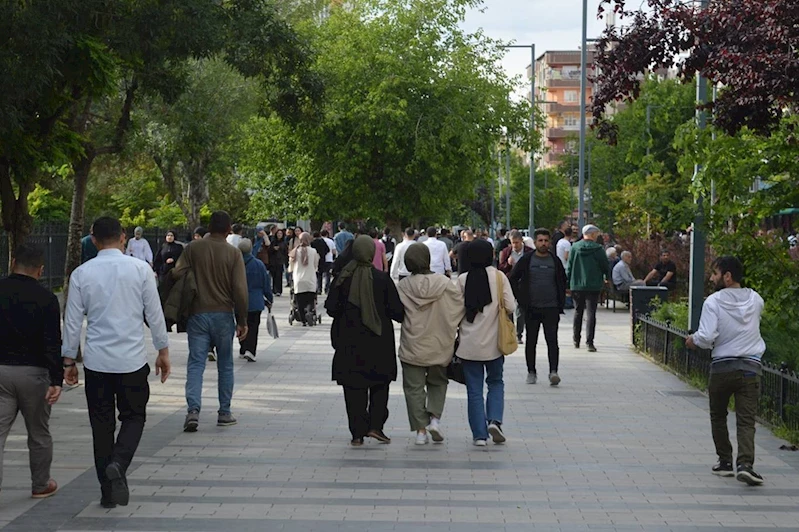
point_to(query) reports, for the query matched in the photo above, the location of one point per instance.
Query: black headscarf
(479, 256)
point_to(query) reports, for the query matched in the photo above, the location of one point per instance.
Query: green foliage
(675, 314)
(167, 214)
(47, 207)
(130, 218)
(412, 108)
(553, 196)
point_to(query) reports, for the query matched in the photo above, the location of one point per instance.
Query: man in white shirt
(235, 237)
(117, 294)
(439, 256)
(564, 246)
(139, 248)
(398, 269)
(328, 258)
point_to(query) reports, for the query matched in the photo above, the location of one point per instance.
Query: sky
(550, 24)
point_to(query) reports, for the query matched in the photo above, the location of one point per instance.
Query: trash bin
(641, 298)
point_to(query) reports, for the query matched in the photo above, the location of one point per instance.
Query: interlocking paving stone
(621, 445)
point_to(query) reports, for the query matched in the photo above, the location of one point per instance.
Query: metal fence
(779, 391)
(53, 238)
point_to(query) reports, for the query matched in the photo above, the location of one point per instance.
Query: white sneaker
(212, 356)
(480, 443)
(249, 357)
(241, 356)
(421, 438)
(435, 430)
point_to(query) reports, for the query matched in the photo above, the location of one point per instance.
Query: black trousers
(105, 394)
(276, 272)
(250, 343)
(305, 301)
(533, 319)
(367, 408)
(323, 272)
(583, 300)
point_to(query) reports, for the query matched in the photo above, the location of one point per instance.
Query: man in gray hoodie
(730, 325)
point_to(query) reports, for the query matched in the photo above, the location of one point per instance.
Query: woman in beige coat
(433, 308)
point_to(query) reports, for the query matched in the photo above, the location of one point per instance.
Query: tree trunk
(395, 224)
(17, 221)
(198, 191)
(77, 219)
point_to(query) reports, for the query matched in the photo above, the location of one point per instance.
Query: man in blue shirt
(342, 237)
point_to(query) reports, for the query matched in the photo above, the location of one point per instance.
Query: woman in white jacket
(306, 263)
(479, 332)
(433, 308)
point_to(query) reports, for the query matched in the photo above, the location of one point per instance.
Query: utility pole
(583, 105)
(507, 188)
(696, 283)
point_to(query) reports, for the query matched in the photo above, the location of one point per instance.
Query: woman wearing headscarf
(433, 310)
(167, 256)
(306, 262)
(362, 303)
(479, 332)
(278, 256)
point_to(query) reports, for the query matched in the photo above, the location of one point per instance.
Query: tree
(412, 111)
(748, 48)
(553, 196)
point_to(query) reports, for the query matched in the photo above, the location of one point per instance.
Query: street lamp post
(583, 104)
(531, 226)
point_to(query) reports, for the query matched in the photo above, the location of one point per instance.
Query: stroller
(296, 313)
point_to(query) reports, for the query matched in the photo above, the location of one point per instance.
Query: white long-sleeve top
(479, 339)
(115, 293)
(304, 277)
(398, 268)
(439, 255)
(730, 325)
(140, 249)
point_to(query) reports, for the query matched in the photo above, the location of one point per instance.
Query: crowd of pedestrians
(451, 295)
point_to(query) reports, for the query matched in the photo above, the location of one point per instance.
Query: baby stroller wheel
(319, 319)
(310, 318)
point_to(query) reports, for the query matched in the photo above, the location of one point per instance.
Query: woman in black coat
(362, 303)
(278, 256)
(167, 256)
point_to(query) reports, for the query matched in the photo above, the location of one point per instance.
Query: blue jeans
(491, 409)
(205, 330)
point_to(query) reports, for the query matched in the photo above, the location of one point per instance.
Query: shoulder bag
(506, 337)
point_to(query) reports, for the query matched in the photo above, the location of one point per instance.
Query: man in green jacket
(587, 272)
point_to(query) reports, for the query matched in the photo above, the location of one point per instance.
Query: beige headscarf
(305, 241)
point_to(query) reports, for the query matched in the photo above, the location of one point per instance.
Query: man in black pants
(539, 283)
(114, 357)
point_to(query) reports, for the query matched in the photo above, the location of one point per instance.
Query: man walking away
(508, 258)
(390, 243)
(439, 256)
(259, 287)
(116, 294)
(237, 230)
(539, 281)
(342, 237)
(587, 271)
(730, 325)
(221, 290)
(319, 244)
(398, 269)
(329, 257)
(30, 362)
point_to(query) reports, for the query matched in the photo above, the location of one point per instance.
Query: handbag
(271, 325)
(455, 367)
(506, 337)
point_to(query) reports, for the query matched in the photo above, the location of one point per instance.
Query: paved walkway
(620, 445)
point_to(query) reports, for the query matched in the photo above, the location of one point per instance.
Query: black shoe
(519, 340)
(357, 442)
(119, 484)
(748, 475)
(577, 344)
(724, 469)
(379, 435)
(495, 430)
(591, 348)
(107, 503)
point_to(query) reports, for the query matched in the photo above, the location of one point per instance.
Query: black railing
(779, 390)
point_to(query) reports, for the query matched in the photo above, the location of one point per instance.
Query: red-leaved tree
(750, 48)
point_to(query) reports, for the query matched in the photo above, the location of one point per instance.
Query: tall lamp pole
(696, 282)
(583, 104)
(531, 226)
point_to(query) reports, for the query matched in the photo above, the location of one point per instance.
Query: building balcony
(562, 132)
(558, 108)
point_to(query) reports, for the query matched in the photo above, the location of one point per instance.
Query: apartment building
(558, 97)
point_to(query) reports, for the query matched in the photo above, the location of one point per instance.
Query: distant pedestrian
(319, 244)
(587, 272)
(237, 231)
(278, 256)
(433, 310)
(306, 264)
(87, 248)
(508, 258)
(329, 258)
(31, 375)
(398, 269)
(139, 248)
(199, 233)
(362, 302)
(342, 237)
(167, 256)
(730, 326)
(114, 357)
(458, 253)
(219, 312)
(439, 255)
(479, 334)
(259, 297)
(539, 281)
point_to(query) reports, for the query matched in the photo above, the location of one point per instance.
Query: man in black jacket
(31, 375)
(539, 283)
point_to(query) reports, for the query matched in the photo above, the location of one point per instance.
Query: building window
(571, 121)
(570, 96)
